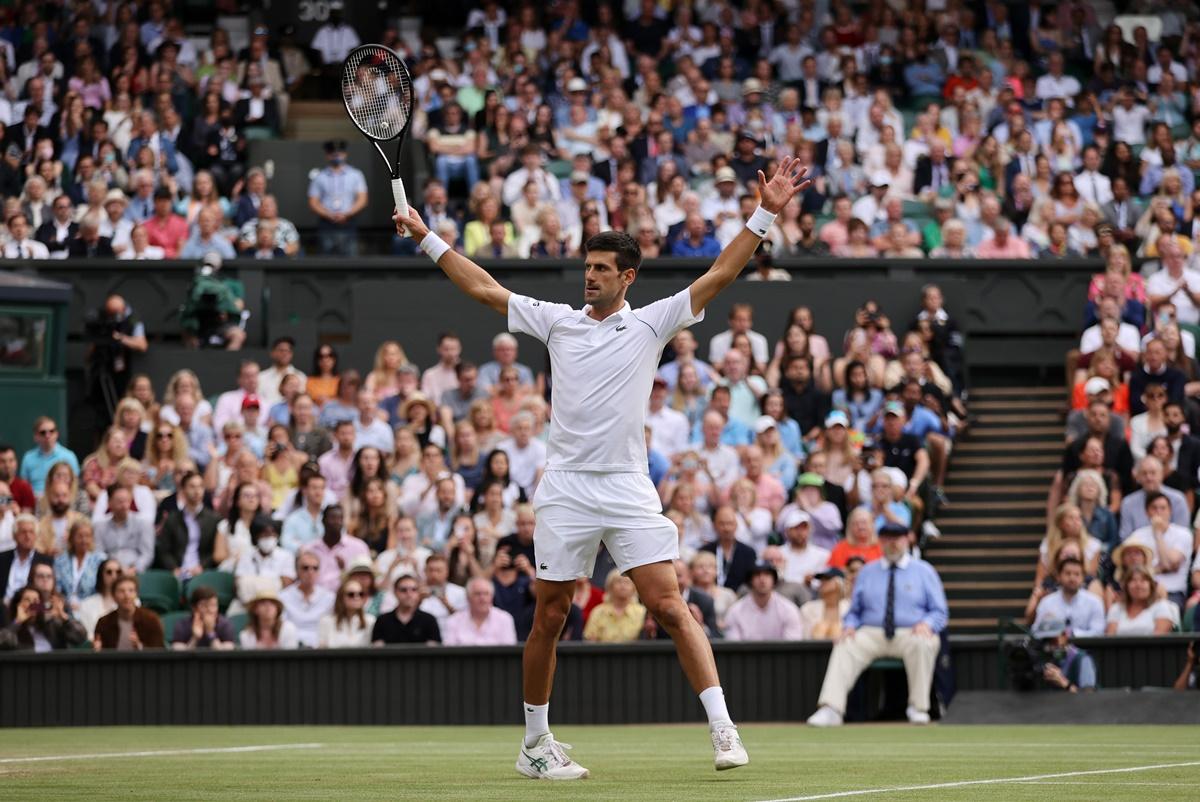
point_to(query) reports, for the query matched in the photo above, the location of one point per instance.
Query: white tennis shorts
(576, 510)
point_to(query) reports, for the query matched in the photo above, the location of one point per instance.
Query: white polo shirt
(603, 371)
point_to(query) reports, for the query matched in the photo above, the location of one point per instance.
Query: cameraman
(1062, 665)
(212, 314)
(115, 336)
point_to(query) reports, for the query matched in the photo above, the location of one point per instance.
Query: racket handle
(400, 197)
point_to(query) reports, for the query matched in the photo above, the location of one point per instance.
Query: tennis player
(596, 485)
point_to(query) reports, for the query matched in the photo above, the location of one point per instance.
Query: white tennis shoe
(728, 752)
(825, 717)
(547, 760)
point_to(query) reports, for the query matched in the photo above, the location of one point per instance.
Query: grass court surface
(673, 763)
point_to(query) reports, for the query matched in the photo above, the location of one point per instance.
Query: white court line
(224, 750)
(996, 781)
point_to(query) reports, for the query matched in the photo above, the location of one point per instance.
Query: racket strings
(377, 91)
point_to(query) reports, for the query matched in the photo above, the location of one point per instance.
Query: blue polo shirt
(35, 465)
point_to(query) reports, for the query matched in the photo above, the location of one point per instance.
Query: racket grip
(400, 197)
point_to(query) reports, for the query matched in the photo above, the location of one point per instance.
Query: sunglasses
(406, 590)
(162, 435)
(354, 594)
(111, 571)
(47, 432)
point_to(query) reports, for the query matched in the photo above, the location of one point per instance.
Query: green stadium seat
(887, 664)
(220, 581)
(159, 590)
(169, 620)
(559, 168)
(915, 208)
(238, 622)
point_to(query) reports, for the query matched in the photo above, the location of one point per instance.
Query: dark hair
(446, 335)
(260, 525)
(462, 367)
(1153, 497)
(358, 481)
(722, 388)
(1065, 561)
(284, 340)
(187, 477)
(325, 512)
(629, 254)
(1166, 406)
(316, 370)
(202, 593)
(6, 447)
(234, 512)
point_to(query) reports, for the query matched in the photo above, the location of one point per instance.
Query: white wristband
(760, 222)
(434, 246)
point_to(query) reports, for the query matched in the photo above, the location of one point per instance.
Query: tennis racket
(378, 94)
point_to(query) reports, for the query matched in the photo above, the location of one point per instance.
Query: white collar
(903, 562)
(617, 315)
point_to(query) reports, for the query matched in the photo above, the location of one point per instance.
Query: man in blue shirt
(897, 610)
(336, 195)
(38, 461)
(207, 237)
(696, 240)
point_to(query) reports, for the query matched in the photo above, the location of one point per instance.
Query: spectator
(303, 603)
(335, 549)
(1140, 610)
(266, 564)
(763, 614)
(283, 351)
(897, 608)
(269, 625)
(735, 560)
(207, 628)
(1150, 476)
(620, 617)
(17, 563)
(348, 625)
(440, 597)
(1070, 602)
(164, 228)
(129, 627)
(336, 195)
(124, 536)
(188, 542)
(480, 624)
(822, 617)
(1171, 543)
(1003, 245)
(1074, 670)
(140, 248)
(406, 623)
(304, 524)
(21, 490)
(504, 354)
(77, 565)
(20, 245)
(36, 625)
(741, 321)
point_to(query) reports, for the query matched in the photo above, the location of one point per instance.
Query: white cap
(899, 479)
(577, 85)
(1096, 384)
(793, 516)
(724, 174)
(763, 423)
(880, 179)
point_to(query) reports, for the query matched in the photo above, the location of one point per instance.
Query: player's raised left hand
(787, 182)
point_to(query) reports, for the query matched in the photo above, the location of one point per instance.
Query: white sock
(713, 700)
(537, 722)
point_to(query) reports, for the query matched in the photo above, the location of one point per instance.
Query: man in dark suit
(16, 564)
(935, 171)
(735, 560)
(88, 244)
(26, 135)
(58, 232)
(1185, 447)
(193, 520)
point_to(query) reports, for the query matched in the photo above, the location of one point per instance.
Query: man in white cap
(1096, 388)
(870, 207)
(802, 560)
(723, 203)
(115, 224)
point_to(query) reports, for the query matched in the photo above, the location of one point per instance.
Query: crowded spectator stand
(313, 501)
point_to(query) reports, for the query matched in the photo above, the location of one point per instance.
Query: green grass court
(627, 763)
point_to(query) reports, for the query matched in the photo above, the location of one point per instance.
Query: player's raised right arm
(466, 275)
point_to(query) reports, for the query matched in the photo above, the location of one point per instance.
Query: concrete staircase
(999, 475)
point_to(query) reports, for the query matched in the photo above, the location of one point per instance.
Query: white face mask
(267, 544)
